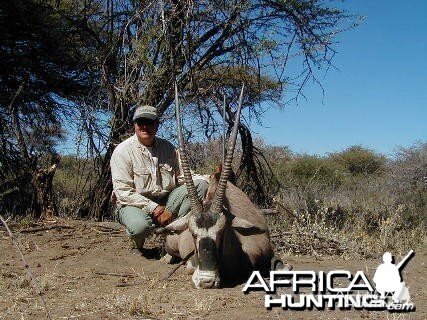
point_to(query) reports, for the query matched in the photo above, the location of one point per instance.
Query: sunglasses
(146, 122)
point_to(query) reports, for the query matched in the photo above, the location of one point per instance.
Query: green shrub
(72, 182)
(358, 160)
(304, 170)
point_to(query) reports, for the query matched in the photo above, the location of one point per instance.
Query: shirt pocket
(168, 176)
(142, 180)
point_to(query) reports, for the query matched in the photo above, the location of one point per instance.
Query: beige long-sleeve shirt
(144, 175)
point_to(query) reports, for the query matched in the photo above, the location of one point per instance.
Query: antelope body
(227, 235)
(243, 246)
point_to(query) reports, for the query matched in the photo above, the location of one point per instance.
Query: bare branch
(17, 126)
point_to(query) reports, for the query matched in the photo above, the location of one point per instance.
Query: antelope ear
(244, 225)
(179, 224)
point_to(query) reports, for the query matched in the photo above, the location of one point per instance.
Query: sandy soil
(82, 270)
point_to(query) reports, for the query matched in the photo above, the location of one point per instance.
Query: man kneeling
(146, 175)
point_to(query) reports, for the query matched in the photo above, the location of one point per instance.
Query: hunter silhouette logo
(325, 291)
(387, 278)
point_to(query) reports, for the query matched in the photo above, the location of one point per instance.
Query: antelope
(226, 236)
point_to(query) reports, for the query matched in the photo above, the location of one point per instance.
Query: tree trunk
(42, 181)
(99, 202)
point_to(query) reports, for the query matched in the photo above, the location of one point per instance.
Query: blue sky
(377, 98)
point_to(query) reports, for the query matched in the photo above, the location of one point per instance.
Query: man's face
(146, 130)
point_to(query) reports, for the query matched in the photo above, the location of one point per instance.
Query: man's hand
(162, 215)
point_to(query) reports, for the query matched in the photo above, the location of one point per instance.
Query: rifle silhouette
(405, 260)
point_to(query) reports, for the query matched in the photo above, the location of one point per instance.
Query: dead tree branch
(17, 126)
(38, 229)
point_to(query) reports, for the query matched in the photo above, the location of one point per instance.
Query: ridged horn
(226, 168)
(196, 205)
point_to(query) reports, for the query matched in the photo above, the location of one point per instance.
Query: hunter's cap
(147, 112)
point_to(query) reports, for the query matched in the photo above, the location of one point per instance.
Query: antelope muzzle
(206, 275)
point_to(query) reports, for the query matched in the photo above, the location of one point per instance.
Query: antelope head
(207, 220)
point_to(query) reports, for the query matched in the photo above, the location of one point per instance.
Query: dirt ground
(87, 272)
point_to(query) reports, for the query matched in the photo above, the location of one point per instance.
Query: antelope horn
(196, 205)
(226, 169)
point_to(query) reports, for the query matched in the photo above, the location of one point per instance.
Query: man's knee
(201, 187)
(139, 228)
(138, 223)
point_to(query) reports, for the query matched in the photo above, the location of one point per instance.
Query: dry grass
(329, 209)
(326, 228)
(129, 306)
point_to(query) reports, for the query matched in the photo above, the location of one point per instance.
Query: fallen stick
(102, 226)
(177, 267)
(170, 273)
(111, 231)
(27, 267)
(62, 256)
(30, 230)
(268, 212)
(129, 284)
(129, 275)
(65, 235)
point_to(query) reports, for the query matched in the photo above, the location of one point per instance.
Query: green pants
(139, 223)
